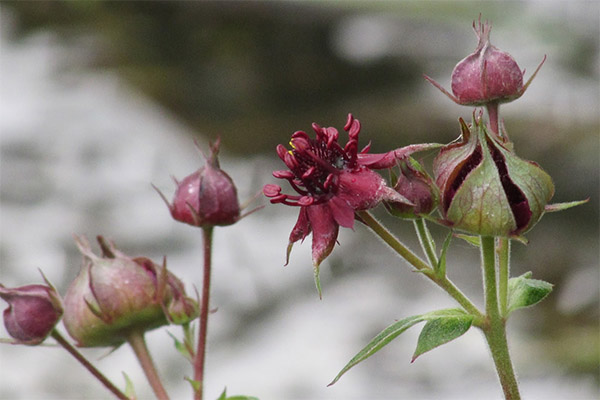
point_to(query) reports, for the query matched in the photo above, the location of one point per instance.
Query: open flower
(332, 182)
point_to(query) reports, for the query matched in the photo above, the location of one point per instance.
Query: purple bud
(207, 197)
(416, 186)
(33, 312)
(488, 75)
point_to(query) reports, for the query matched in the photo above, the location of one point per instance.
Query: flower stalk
(89, 366)
(138, 344)
(199, 359)
(442, 281)
(495, 325)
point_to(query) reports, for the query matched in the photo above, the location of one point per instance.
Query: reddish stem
(204, 310)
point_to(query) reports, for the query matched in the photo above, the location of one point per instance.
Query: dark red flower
(332, 182)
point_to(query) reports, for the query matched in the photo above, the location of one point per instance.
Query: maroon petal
(388, 160)
(325, 232)
(342, 213)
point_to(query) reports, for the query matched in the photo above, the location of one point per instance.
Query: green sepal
(563, 206)
(318, 281)
(471, 239)
(129, 389)
(524, 291)
(393, 331)
(442, 330)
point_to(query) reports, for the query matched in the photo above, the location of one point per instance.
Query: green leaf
(524, 291)
(391, 332)
(129, 389)
(563, 206)
(181, 348)
(223, 395)
(442, 330)
(195, 384)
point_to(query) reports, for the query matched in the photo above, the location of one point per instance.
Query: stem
(503, 273)
(89, 366)
(442, 281)
(495, 329)
(492, 109)
(138, 344)
(204, 309)
(426, 241)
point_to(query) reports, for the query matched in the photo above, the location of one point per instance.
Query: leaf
(181, 347)
(472, 240)
(195, 384)
(129, 389)
(563, 206)
(390, 333)
(524, 291)
(440, 331)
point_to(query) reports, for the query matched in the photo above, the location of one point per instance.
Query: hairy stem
(89, 366)
(138, 344)
(494, 328)
(199, 360)
(503, 250)
(404, 252)
(427, 243)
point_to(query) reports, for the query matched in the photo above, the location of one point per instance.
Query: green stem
(89, 366)
(503, 273)
(494, 328)
(404, 252)
(427, 243)
(138, 344)
(199, 360)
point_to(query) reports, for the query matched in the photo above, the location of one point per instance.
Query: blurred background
(101, 99)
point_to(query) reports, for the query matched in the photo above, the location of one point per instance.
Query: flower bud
(207, 197)
(33, 312)
(486, 189)
(414, 184)
(115, 295)
(488, 75)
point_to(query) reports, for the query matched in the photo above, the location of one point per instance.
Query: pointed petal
(325, 232)
(300, 231)
(388, 160)
(342, 213)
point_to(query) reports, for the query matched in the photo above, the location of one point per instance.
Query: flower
(207, 197)
(33, 312)
(332, 182)
(415, 184)
(115, 295)
(488, 75)
(486, 189)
